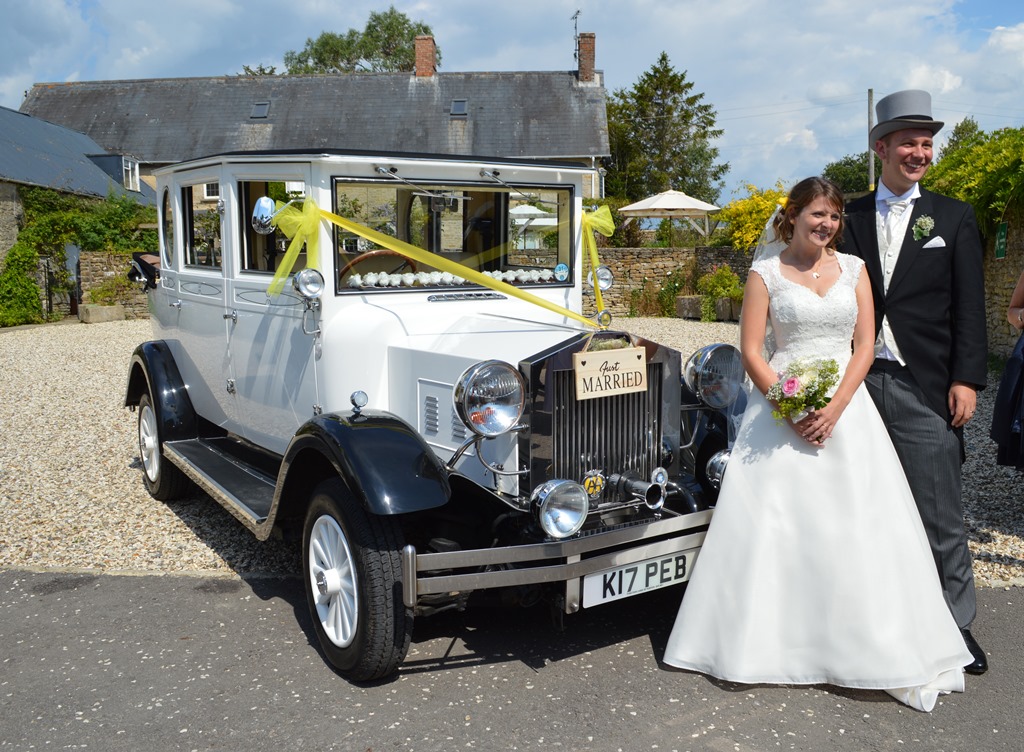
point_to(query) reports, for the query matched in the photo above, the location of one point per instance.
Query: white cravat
(892, 218)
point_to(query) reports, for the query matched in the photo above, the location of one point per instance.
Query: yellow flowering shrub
(746, 217)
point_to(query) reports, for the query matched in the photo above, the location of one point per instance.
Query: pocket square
(936, 242)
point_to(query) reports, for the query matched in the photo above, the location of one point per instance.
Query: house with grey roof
(525, 115)
(34, 152)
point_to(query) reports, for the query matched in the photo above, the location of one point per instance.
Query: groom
(923, 254)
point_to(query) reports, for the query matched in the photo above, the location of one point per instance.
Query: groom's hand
(963, 400)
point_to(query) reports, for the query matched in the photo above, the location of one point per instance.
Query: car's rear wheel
(163, 480)
(352, 572)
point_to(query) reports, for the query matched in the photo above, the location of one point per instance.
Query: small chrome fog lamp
(309, 283)
(358, 399)
(561, 507)
(605, 278)
(490, 398)
(716, 468)
(715, 375)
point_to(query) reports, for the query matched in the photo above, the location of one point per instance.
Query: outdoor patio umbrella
(672, 205)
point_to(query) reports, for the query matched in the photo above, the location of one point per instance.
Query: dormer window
(130, 173)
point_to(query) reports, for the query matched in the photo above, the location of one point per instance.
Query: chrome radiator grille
(611, 434)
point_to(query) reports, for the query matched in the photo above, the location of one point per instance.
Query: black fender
(387, 465)
(153, 369)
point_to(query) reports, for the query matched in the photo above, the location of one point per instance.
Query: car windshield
(521, 235)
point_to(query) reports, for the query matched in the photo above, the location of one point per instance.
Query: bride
(816, 568)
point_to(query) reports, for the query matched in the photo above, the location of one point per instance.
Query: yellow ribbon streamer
(427, 258)
(303, 227)
(599, 220)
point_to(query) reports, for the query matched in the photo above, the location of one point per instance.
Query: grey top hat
(911, 108)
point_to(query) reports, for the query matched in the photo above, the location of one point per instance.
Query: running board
(244, 491)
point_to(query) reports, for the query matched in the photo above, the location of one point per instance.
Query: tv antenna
(576, 33)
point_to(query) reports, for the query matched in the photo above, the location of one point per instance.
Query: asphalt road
(116, 662)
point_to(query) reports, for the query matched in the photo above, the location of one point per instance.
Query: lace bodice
(808, 325)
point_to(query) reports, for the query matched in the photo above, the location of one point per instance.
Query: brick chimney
(586, 57)
(426, 55)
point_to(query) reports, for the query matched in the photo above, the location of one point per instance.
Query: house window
(260, 110)
(211, 191)
(460, 108)
(130, 174)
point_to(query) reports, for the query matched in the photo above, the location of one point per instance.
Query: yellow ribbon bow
(600, 220)
(303, 227)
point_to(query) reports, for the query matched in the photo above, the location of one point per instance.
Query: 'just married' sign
(608, 372)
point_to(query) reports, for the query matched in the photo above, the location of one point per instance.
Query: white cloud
(789, 79)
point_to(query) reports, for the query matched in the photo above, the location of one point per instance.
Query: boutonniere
(923, 227)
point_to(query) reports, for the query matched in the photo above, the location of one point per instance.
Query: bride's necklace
(813, 268)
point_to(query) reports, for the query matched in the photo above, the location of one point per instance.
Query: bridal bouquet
(803, 387)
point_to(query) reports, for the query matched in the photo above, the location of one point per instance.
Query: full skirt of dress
(816, 568)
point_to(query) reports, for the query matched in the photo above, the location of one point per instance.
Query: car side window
(167, 229)
(202, 229)
(264, 253)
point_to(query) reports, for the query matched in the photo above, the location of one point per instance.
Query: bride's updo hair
(800, 197)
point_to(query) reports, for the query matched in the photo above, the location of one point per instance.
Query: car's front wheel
(163, 480)
(352, 572)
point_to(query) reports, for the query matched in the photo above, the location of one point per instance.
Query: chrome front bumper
(556, 561)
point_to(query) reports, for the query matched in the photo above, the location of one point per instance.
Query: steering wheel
(374, 254)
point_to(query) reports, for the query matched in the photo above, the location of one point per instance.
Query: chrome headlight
(561, 507)
(715, 374)
(309, 283)
(490, 397)
(716, 468)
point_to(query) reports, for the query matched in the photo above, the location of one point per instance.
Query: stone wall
(1000, 278)
(635, 267)
(11, 216)
(632, 266)
(96, 268)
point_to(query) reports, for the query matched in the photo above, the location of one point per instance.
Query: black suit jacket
(936, 297)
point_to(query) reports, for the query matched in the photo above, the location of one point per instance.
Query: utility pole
(871, 146)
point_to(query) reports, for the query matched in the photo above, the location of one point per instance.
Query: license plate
(638, 577)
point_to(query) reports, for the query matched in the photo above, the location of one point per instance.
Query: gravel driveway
(71, 493)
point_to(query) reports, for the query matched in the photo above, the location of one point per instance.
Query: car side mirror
(263, 214)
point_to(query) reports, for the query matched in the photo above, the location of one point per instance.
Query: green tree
(965, 135)
(386, 45)
(259, 70)
(850, 173)
(661, 133)
(746, 217)
(986, 171)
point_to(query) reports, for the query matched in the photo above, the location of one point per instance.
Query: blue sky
(788, 78)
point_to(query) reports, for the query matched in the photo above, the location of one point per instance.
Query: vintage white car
(385, 356)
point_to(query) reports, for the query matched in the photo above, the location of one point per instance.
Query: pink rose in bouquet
(791, 386)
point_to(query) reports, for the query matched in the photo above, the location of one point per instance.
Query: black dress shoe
(980, 663)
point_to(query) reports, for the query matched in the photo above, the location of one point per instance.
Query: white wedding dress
(816, 568)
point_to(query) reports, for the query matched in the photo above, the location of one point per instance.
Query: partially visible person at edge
(923, 254)
(1008, 412)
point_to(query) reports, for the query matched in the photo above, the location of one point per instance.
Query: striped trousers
(931, 453)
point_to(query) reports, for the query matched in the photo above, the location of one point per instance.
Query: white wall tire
(163, 480)
(352, 576)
